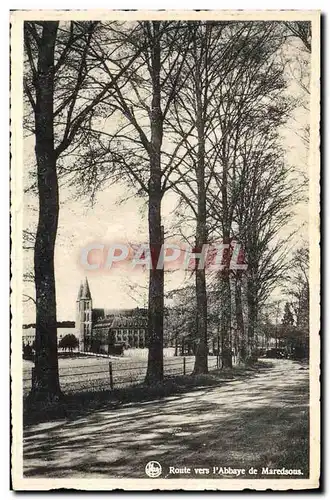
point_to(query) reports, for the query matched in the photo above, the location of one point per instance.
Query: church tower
(84, 316)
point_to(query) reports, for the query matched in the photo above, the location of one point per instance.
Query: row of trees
(294, 331)
(284, 322)
(69, 342)
(194, 108)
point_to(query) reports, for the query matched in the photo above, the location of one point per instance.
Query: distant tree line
(60, 324)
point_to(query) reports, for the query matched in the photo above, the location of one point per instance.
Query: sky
(119, 216)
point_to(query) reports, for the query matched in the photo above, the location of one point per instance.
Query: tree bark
(226, 289)
(201, 365)
(46, 385)
(226, 346)
(240, 321)
(155, 369)
(225, 322)
(201, 358)
(252, 318)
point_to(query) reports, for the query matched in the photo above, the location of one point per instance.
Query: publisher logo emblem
(153, 469)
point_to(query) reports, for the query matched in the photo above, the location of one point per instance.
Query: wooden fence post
(184, 365)
(110, 375)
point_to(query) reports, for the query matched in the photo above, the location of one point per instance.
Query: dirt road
(260, 421)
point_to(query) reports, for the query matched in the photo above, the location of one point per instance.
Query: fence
(116, 373)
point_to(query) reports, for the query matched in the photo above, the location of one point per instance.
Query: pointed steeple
(86, 294)
(80, 292)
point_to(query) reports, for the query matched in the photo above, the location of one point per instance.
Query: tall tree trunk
(46, 383)
(201, 235)
(226, 322)
(252, 318)
(201, 358)
(225, 286)
(240, 321)
(155, 369)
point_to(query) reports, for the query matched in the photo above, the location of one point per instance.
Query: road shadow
(75, 405)
(258, 422)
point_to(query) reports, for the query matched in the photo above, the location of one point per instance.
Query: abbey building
(104, 330)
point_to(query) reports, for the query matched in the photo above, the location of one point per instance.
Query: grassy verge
(78, 404)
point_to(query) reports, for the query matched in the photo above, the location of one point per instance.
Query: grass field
(82, 373)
